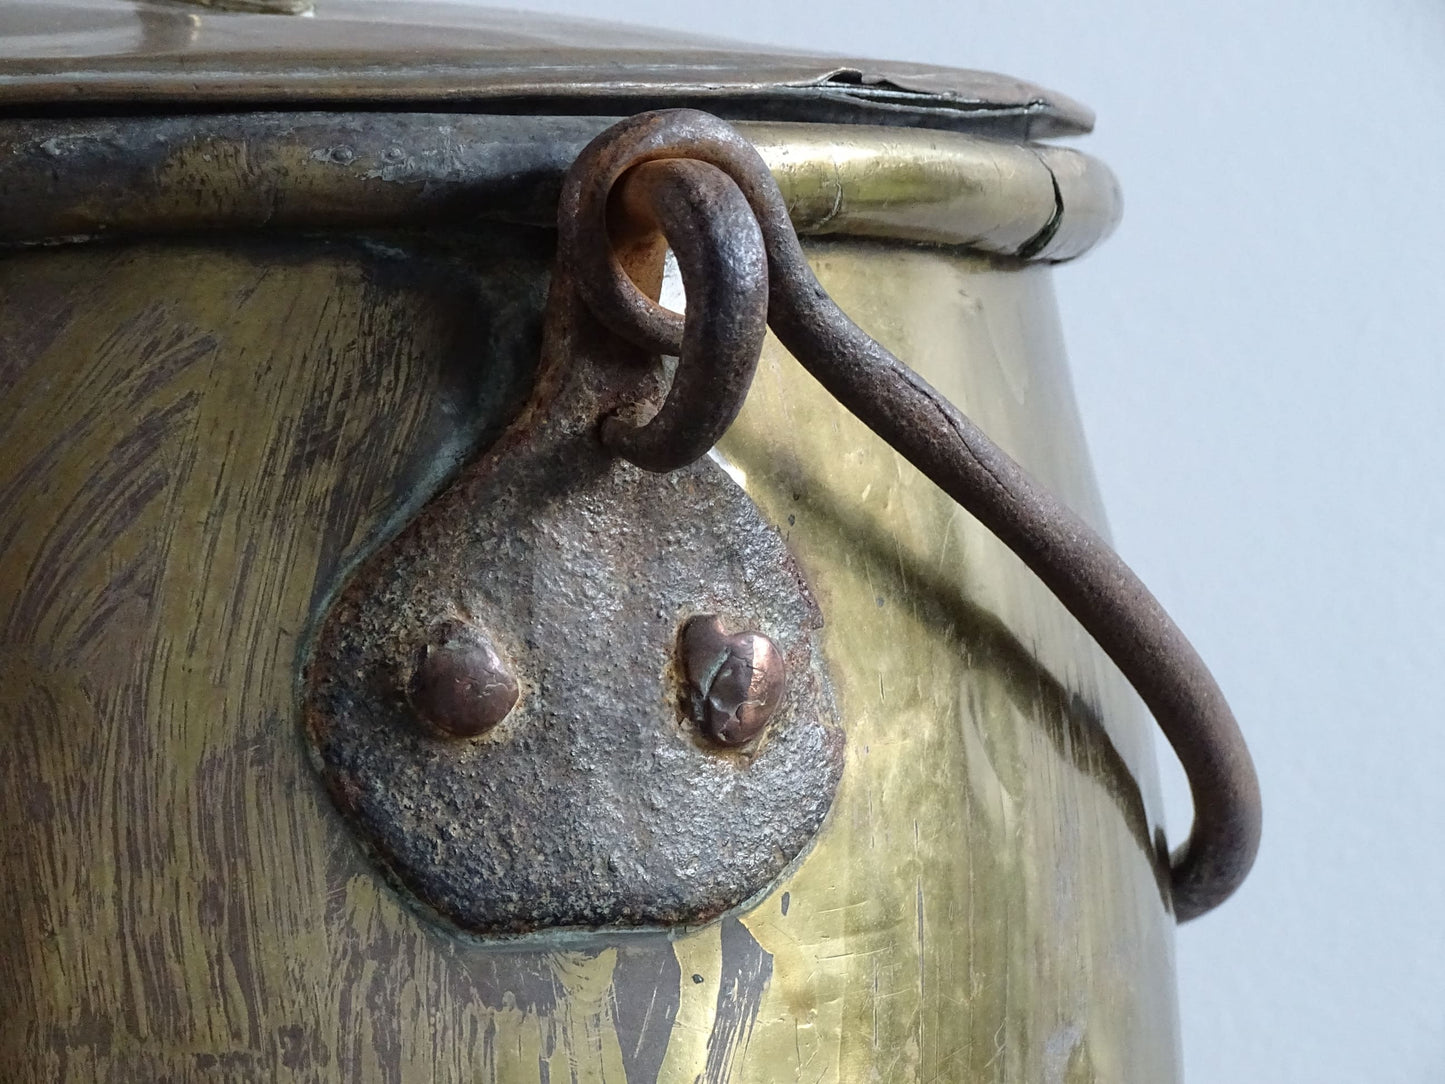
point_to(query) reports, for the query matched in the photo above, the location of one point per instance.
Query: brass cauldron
(381, 702)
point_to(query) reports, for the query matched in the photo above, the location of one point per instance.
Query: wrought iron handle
(676, 171)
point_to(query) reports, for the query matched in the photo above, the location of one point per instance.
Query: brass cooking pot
(393, 685)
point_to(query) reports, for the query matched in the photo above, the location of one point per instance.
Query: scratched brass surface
(197, 437)
(984, 905)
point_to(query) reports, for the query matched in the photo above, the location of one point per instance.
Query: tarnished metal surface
(1080, 568)
(989, 899)
(986, 901)
(599, 802)
(165, 175)
(70, 55)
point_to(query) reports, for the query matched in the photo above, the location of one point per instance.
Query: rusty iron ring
(1067, 555)
(714, 234)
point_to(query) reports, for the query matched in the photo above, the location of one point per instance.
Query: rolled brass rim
(81, 179)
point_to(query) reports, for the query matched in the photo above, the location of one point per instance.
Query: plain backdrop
(1257, 356)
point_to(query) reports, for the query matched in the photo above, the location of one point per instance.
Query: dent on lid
(100, 55)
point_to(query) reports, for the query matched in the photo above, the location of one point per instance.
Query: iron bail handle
(670, 172)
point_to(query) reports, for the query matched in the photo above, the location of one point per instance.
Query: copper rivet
(461, 687)
(735, 681)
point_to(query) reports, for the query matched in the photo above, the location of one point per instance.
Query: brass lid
(104, 56)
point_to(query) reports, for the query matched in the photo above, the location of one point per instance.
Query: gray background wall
(1257, 354)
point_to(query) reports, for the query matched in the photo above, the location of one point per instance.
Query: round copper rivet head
(461, 687)
(736, 681)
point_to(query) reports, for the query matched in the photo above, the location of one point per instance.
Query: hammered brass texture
(198, 439)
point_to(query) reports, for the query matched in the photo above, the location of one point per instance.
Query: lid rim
(69, 179)
(89, 53)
